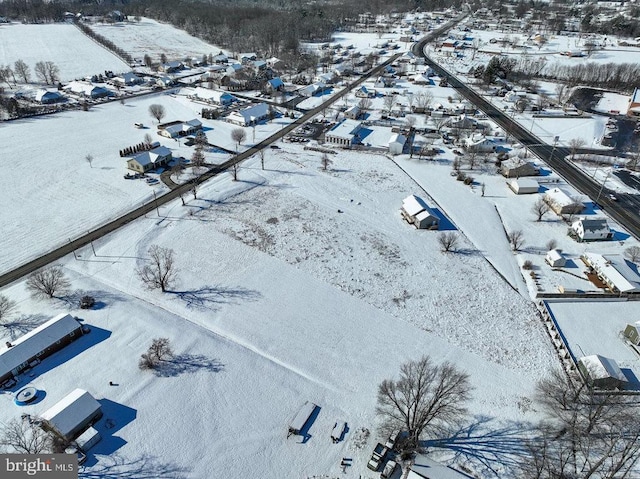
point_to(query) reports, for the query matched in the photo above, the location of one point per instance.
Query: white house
(164, 81)
(353, 112)
(87, 89)
(555, 259)
(344, 133)
(523, 186)
(561, 202)
(396, 144)
(601, 372)
(416, 212)
(364, 92)
(73, 414)
(480, 143)
(176, 129)
(515, 168)
(614, 271)
(249, 116)
(217, 97)
(127, 79)
(591, 229)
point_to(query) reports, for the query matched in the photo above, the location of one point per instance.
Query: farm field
(52, 43)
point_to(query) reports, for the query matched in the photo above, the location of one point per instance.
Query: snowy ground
(51, 43)
(356, 293)
(149, 37)
(68, 196)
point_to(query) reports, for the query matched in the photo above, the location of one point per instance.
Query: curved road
(624, 211)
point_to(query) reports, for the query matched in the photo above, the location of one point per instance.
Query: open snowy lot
(67, 196)
(52, 42)
(149, 37)
(283, 299)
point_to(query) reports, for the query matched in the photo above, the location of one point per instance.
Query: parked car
(388, 469)
(377, 456)
(275, 147)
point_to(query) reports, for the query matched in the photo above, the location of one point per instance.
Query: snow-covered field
(149, 37)
(66, 196)
(52, 43)
(282, 299)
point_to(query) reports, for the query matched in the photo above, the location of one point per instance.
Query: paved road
(625, 210)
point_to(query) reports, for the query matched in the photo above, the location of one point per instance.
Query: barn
(73, 414)
(601, 373)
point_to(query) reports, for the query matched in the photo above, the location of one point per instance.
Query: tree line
(105, 42)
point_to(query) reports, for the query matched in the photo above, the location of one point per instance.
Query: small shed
(555, 259)
(632, 333)
(523, 186)
(591, 229)
(416, 212)
(601, 373)
(396, 144)
(72, 414)
(302, 417)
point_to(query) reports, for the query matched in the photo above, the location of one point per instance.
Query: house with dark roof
(591, 229)
(149, 160)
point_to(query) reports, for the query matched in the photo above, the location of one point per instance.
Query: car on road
(275, 147)
(612, 197)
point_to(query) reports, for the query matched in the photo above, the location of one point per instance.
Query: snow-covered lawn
(51, 42)
(149, 37)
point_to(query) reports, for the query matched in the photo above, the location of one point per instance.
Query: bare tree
(89, 159)
(540, 208)
(7, 308)
(388, 102)
(516, 238)
(587, 433)
(561, 93)
(551, 244)
(24, 436)
(364, 104)
(262, 158)
(162, 270)
(147, 139)
(448, 241)
(632, 253)
(425, 399)
(234, 168)
(22, 71)
(410, 121)
(160, 350)
(41, 72)
(52, 72)
(238, 135)
(48, 282)
(575, 144)
(325, 162)
(157, 111)
(423, 100)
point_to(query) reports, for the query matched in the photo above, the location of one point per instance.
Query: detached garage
(523, 186)
(73, 414)
(601, 373)
(416, 212)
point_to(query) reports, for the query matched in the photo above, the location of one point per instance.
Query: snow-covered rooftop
(600, 367)
(71, 411)
(346, 129)
(614, 267)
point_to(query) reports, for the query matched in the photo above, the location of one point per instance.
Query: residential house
(234, 68)
(220, 58)
(171, 67)
(250, 116)
(176, 129)
(416, 212)
(523, 186)
(275, 84)
(216, 97)
(421, 79)
(364, 92)
(480, 143)
(149, 160)
(562, 203)
(127, 79)
(245, 58)
(73, 414)
(344, 133)
(384, 82)
(614, 271)
(396, 144)
(632, 333)
(31, 348)
(47, 97)
(591, 229)
(87, 89)
(515, 168)
(164, 81)
(310, 90)
(353, 112)
(275, 63)
(259, 65)
(601, 373)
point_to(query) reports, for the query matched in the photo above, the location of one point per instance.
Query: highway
(627, 207)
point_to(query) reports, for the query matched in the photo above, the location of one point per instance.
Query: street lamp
(602, 187)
